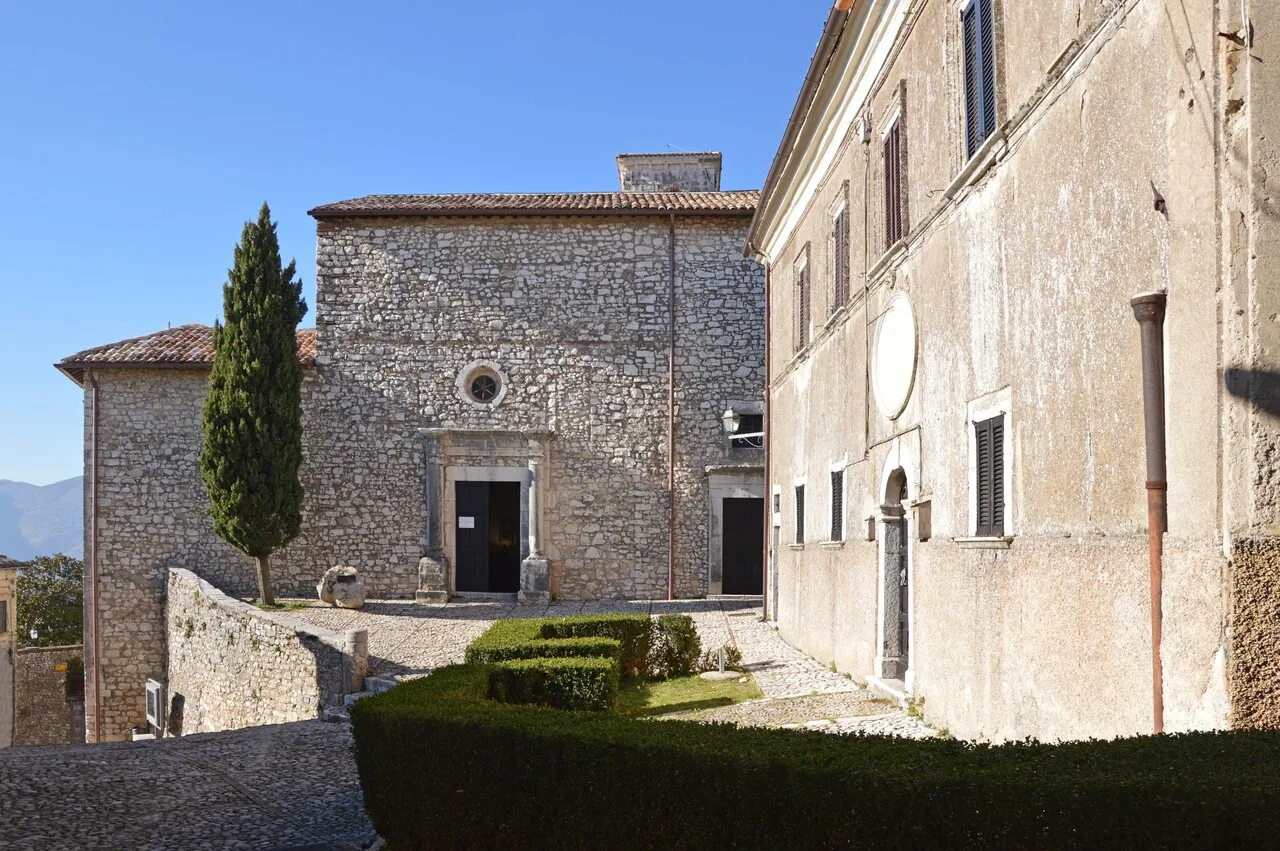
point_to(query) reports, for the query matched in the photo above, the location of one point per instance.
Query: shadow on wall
(1259, 386)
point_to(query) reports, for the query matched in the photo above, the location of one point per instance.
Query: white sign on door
(466, 523)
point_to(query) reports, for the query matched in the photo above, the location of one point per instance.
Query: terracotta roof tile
(732, 203)
(189, 346)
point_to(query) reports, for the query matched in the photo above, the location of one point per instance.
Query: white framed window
(989, 431)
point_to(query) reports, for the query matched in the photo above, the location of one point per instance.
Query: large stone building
(504, 393)
(967, 199)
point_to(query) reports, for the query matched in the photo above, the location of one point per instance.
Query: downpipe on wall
(1149, 310)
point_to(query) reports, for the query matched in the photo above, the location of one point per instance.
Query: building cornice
(843, 72)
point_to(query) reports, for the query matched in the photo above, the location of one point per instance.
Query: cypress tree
(253, 413)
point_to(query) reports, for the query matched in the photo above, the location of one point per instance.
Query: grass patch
(657, 697)
(283, 605)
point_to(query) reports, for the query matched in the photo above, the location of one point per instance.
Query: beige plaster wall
(1021, 280)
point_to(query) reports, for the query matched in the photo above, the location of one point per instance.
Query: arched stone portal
(894, 659)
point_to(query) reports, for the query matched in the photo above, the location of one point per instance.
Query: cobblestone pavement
(855, 712)
(407, 640)
(292, 785)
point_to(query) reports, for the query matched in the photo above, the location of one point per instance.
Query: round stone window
(481, 384)
(484, 388)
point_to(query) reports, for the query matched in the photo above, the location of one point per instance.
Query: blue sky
(137, 138)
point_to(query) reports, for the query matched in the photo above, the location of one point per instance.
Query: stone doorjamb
(903, 454)
(454, 455)
(727, 482)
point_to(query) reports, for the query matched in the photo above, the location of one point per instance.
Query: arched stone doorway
(895, 650)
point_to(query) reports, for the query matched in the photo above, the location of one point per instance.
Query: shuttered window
(895, 224)
(989, 452)
(978, 24)
(837, 505)
(840, 248)
(799, 514)
(802, 306)
(4, 616)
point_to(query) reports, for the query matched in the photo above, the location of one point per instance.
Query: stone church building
(972, 202)
(504, 395)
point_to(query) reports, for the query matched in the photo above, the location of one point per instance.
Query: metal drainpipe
(671, 410)
(1149, 310)
(95, 661)
(768, 492)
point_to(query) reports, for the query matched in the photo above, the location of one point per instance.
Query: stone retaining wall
(42, 713)
(232, 665)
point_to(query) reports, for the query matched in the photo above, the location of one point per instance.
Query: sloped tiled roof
(186, 346)
(5, 561)
(733, 203)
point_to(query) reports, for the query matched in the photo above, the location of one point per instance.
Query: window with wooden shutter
(4, 616)
(977, 23)
(894, 185)
(802, 305)
(799, 514)
(840, 249)
(837, 505)
(989, 454)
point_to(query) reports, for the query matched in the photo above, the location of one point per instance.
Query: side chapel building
(969, 197)
(504, 394)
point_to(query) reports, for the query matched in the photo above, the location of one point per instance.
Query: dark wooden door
(743, 546)
(504, 537)
(473, 536)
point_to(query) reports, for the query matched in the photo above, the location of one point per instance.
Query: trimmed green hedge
(631, 631)
(532, 638)
(676, 648)
(562, 683)
(442, 767)
(546, 648)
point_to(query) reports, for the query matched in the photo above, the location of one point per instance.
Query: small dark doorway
(743, 546)
(488, 536)
(897, 603)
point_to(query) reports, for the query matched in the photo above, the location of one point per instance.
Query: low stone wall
(232, 665)
(42, 714)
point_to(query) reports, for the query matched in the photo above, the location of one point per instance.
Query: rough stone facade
(573, 314)
(1018, 263)
(570, 313)
(152, 515)
(232, 665)
(45, 713)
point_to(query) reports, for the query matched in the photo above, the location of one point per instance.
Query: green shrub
(631, 631)
(544, 648)
(562, 683)
(675, 648)
(433, 752)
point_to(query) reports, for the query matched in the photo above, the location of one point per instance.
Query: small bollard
(722, 659)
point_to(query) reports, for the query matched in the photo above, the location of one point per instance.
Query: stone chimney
(670, 172)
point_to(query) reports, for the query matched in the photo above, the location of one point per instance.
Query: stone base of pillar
(535, 581)
(433, 579)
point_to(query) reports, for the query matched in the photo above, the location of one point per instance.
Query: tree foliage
(253, 413)
(51, 601)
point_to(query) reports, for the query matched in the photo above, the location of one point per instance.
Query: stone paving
(286, 786)
(408, 640)
(295, 785)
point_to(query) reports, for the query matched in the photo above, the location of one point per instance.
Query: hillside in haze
(41, 521)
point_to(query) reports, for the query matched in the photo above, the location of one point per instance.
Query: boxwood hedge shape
(562, 683)
(631, 631)
(442, 767)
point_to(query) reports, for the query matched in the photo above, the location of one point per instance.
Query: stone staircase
(372, 686)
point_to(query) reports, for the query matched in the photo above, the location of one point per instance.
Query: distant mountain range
(42, 521)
